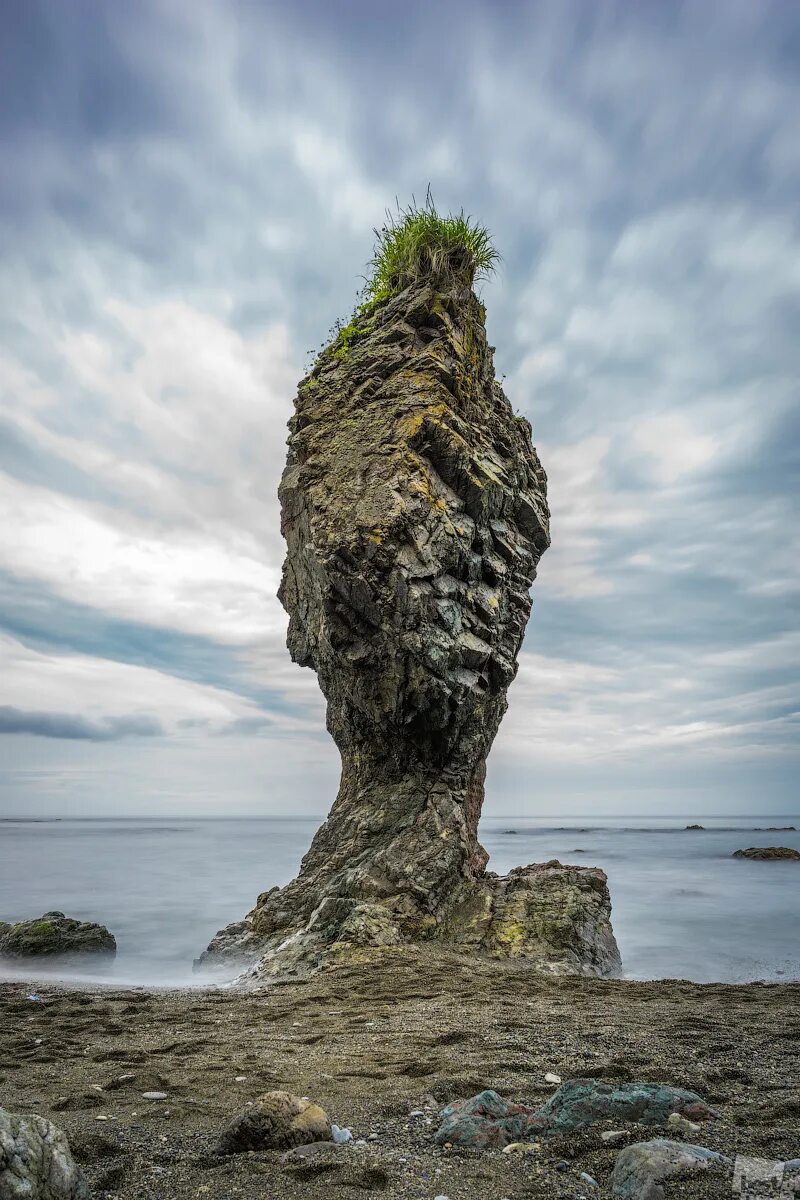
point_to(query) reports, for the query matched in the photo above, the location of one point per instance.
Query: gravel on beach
(383, 1045)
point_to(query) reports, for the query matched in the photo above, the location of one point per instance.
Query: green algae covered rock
(54, 935)
(488, 1121)
(581, 1102)
(768, 853)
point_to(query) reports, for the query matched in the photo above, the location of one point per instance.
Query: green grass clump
(419, 243)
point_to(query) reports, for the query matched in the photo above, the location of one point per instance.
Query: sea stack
(414, 509)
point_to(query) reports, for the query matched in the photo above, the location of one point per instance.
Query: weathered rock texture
(414, 511)
(53, 935)
(641, 1170)
(275, 1121)
(35, 1161)
(768, 853)
(489, 1121)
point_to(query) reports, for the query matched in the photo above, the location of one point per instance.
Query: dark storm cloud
(74, 728)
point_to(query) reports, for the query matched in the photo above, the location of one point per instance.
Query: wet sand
(381, 1046)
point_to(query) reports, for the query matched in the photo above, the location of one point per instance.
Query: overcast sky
(187, 203)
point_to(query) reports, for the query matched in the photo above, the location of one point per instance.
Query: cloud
(188, 205)
(65, 725)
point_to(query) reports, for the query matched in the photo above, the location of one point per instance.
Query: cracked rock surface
(35, 1161)
(414, 511)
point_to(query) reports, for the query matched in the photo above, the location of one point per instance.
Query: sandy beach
(382, 1045)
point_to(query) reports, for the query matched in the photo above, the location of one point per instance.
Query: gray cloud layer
(75, 728)
(187, 203)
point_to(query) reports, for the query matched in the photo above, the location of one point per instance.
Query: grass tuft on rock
(418, 243)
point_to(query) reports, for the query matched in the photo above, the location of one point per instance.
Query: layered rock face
(414, 511)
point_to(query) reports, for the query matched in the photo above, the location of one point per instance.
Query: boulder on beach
(641, 1169)
(275, 1121)
(489, 1121)
(54, 935)
(36, 1162)
(767, 853)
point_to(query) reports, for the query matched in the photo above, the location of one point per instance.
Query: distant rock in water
(767, 852)
(695, 827)
(774, 829)
(414, 510)
(54, 935)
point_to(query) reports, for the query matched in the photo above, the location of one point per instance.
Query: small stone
(612, 1136)
(587, 1178)
(551, 1077)
(340, 1136)
(679, 1123)
(154, 1095)
(301, 1154)
(522, 1148)
(100, 1117)
(240, 1078)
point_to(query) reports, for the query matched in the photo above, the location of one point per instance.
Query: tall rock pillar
(414, 511)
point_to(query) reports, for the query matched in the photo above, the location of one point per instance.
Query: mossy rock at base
(55, 935)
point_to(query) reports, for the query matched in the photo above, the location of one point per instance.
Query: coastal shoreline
(383, 1044)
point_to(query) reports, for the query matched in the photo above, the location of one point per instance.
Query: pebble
(611, 1136)
(682, 1124)
(587, 1178)
(154, 1095)
(551, 1077)
(340, 1136)
(240, 1078)
(522, 1148)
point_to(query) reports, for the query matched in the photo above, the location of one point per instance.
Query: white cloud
(673, 445)
(100, 688)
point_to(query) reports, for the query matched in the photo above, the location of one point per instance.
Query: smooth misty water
(682, 907)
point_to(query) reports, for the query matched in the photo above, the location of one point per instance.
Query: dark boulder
(766, 853)
(275, 1121)
(54, 935)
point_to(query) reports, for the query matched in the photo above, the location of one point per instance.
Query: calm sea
(682, 907)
